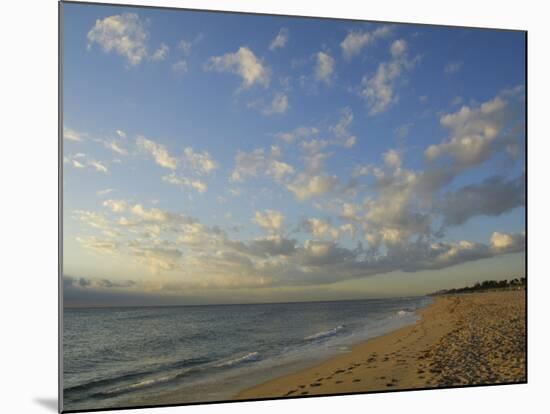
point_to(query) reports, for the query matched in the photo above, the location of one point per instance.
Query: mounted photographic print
(262, 207)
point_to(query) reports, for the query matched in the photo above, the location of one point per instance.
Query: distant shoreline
(464, 339)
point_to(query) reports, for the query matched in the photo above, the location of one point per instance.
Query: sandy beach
(476, 338)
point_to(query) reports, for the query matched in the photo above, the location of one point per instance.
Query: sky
(229, 158)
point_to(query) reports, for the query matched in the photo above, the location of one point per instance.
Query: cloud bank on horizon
(205, 155)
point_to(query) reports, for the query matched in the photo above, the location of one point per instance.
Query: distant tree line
(486, 285)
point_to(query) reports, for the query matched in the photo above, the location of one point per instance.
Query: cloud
(278, 105)
(398, 48)
(355, 41)
(99, 166)
(200, 163)
(402, 131)
(324, 68)
(307, 186)
(186, 46)
(298, 133)
(72, 135)
(453, 67)
(195, 184)
(269, 220)
(83, 282)
(340, 130)
(323, 253)
(99, 245)
(280, 40)
(492, 197)
(161, 53)
(478, 131)
(104, 192)
(392, 159)
(180, 67)
(270, 246)
(379, 90)
(116, 147)
(320, 228)
(243, 63)
(158, 152)
(256, 163)
(507, 242)
(151, 215)
(124, 34)
(116, 206)
(158, 259)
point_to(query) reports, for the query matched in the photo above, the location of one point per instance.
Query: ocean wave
(252, 356)
(116, 378)
(137, 385)
(324, 334)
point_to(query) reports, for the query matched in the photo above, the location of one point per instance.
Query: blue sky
(216, 157)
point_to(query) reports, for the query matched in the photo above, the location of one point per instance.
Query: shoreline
(466, 339)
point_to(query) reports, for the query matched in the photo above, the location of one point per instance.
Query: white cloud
(121, 133)
(392, 159)
(116, 147)
(116, 206)
(280, 40)
(379, 89)
(324, 68)
(278, 105)
(72, 135)
(158, 152)
(243, 63)
(186, 46)
(105, 192)
(340, 130)
(298, 133)
(151, 215)
(124, 34)
(99, 166)
(355, 41)
(200, 163)
(398, 48)
(196, 184)
(321, 228)
(453, 67)
(180, 66)
(161, 53)
(475, 130)
(507, 242)
(98, 245)
(306, 186)
(257, 163)
(269, 220)
(402, 131)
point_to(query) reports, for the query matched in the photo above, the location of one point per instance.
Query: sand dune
(476, 338)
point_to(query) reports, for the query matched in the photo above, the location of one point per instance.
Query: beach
(466, 339)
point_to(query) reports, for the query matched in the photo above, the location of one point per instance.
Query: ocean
(119, 357)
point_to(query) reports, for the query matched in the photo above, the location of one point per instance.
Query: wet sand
(476, 338)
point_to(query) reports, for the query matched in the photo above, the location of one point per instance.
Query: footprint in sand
(290, 393)
(356, 380)
(389, 384)
(304, 393)
(339, 382)
(315, 384)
